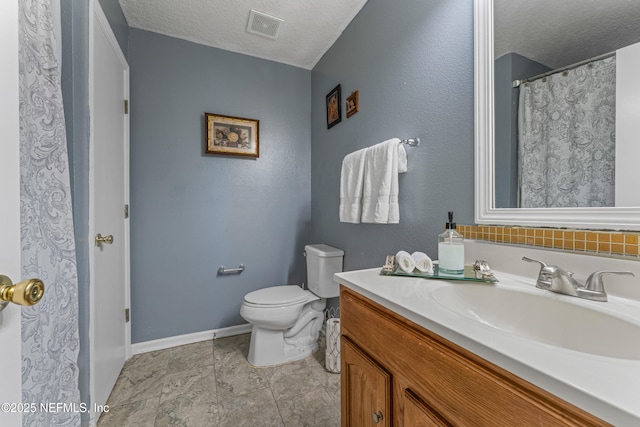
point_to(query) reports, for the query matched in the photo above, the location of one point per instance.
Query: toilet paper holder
(222, 270)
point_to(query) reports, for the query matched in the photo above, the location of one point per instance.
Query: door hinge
(126, 315)
(126, 106)
(126, 211)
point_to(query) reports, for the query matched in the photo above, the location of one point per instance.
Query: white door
(10, 381)
(109, 194)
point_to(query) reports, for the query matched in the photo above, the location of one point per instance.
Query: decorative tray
(476, 272)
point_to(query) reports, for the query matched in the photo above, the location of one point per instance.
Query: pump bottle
(451, 249)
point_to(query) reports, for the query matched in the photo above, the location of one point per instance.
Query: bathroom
(412, 63)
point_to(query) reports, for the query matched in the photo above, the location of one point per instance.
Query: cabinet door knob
(377, 417)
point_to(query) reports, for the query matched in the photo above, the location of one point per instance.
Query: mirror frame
(612, 218)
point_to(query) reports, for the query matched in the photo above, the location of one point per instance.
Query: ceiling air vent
(263, 24)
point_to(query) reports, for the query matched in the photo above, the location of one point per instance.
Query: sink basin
(544, 318)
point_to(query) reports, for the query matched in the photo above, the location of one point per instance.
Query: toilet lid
(277, 295)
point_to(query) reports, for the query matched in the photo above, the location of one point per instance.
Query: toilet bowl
(286, 320)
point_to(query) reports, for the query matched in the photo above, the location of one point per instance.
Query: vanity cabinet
(397, 373)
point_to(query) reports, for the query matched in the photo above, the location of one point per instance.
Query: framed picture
(234, 136)
(352, 104)
(334, 113)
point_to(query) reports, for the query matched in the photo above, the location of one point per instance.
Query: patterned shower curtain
(50, 341)
(567, 138)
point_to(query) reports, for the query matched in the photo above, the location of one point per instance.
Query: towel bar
(223, 270)
(411, 142)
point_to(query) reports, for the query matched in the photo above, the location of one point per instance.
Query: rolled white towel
(423, 262)
(405, 262)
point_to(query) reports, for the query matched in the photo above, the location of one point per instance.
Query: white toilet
(287, 319)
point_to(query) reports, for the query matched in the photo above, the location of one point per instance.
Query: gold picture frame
(231, 136)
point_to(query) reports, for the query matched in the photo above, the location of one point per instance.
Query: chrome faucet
(555, 279)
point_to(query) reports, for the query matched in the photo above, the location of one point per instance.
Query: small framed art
(334, 112)
(233, 136)
(352, 104)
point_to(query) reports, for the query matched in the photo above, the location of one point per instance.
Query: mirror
(627, 218)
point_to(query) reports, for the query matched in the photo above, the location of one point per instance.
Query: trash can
(332, 355)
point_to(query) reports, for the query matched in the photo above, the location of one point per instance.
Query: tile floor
(210, 384)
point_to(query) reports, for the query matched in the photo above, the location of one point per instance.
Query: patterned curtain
(50, 340)
(567, 138)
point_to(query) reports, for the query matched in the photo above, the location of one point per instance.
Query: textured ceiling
(309, 29)
(557, 33)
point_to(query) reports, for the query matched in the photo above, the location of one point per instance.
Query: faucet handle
(545, 275)
(595, 282)
(542, 264)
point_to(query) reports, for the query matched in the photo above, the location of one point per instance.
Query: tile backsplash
(617, 243)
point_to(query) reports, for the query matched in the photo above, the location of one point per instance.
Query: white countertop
(606, 387)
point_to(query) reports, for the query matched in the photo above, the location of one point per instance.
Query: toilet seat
(280, 296)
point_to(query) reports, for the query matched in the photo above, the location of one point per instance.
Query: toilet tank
(322, 262)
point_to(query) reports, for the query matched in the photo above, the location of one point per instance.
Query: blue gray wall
(191, 212)
(412, 63)
(508, 68)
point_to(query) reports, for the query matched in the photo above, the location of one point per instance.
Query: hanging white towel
(394, 205)
(382, 164)
(351, 179)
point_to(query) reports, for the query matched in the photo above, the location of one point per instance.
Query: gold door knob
(27, 292)
(100, 239)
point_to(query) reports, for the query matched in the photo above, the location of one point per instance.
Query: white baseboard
(164, 343)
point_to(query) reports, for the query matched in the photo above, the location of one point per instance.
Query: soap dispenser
(451, 249)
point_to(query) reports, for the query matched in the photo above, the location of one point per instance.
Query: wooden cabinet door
(366, 389)
(419, 414)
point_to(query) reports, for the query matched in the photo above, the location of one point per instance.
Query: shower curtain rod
(517, 83)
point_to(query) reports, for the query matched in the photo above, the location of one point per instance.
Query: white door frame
(10, 252)
(96, 14)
